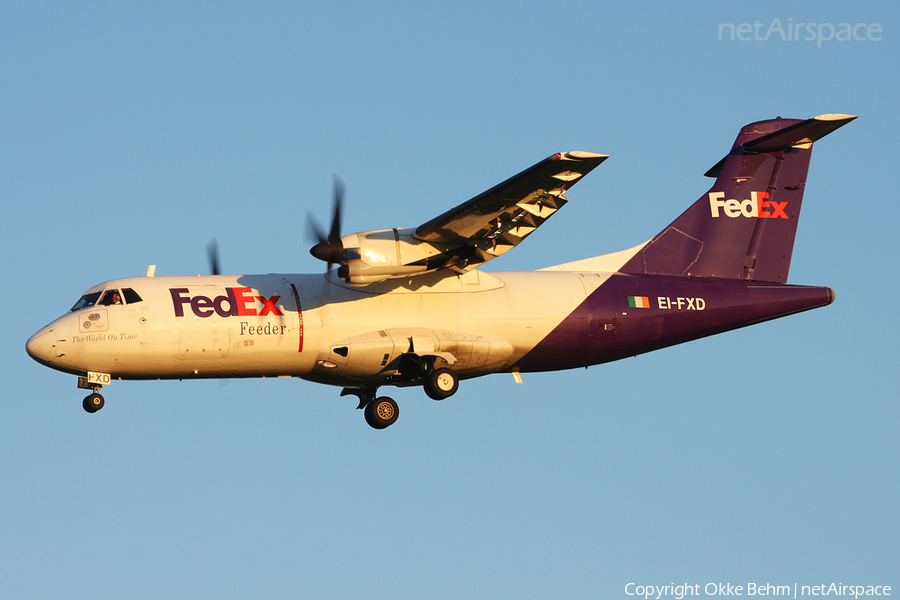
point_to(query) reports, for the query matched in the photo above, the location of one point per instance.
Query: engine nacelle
(374, 256)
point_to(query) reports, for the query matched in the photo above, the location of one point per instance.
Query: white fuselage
(310, 326)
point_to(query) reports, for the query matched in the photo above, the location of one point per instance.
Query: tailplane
(744, 227)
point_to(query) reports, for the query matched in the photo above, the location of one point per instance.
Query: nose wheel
(93, 402)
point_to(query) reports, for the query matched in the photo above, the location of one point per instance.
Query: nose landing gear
(94, 381)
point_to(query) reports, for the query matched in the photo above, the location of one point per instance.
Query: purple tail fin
(744, 227)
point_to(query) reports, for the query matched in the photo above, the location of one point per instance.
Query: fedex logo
(239, 302)
(756, 206)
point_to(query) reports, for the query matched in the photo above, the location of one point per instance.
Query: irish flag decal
(638, 301)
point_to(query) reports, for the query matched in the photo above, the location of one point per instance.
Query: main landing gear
(382, 412)
(379, 412)
(441, 383)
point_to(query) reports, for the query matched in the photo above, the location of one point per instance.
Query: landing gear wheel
(93, 402)
(381, 412)
(441, 383)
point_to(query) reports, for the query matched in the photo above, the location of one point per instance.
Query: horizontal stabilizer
(798, 135)
(805, 132)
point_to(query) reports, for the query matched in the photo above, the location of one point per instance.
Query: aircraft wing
(497, 220)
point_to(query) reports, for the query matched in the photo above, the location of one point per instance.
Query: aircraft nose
(42, 346)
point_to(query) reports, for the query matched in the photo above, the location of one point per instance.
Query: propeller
(329, 247)
(212, 250)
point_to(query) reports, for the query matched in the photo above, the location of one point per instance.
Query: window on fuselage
(130, 295)
(86, 301)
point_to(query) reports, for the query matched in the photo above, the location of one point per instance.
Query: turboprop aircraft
(412, 306)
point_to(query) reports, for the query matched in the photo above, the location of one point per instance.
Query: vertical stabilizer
(744, 227)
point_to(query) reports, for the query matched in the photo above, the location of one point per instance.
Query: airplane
(411, 306)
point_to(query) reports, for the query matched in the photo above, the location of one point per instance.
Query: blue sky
(135, 133)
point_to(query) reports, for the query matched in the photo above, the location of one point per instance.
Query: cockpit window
(131, 296)
(110, 297)
(86, 301)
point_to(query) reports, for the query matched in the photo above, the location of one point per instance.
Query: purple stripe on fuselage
(607, 326)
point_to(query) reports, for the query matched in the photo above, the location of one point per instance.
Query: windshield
(109, 298)
(86, 301)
